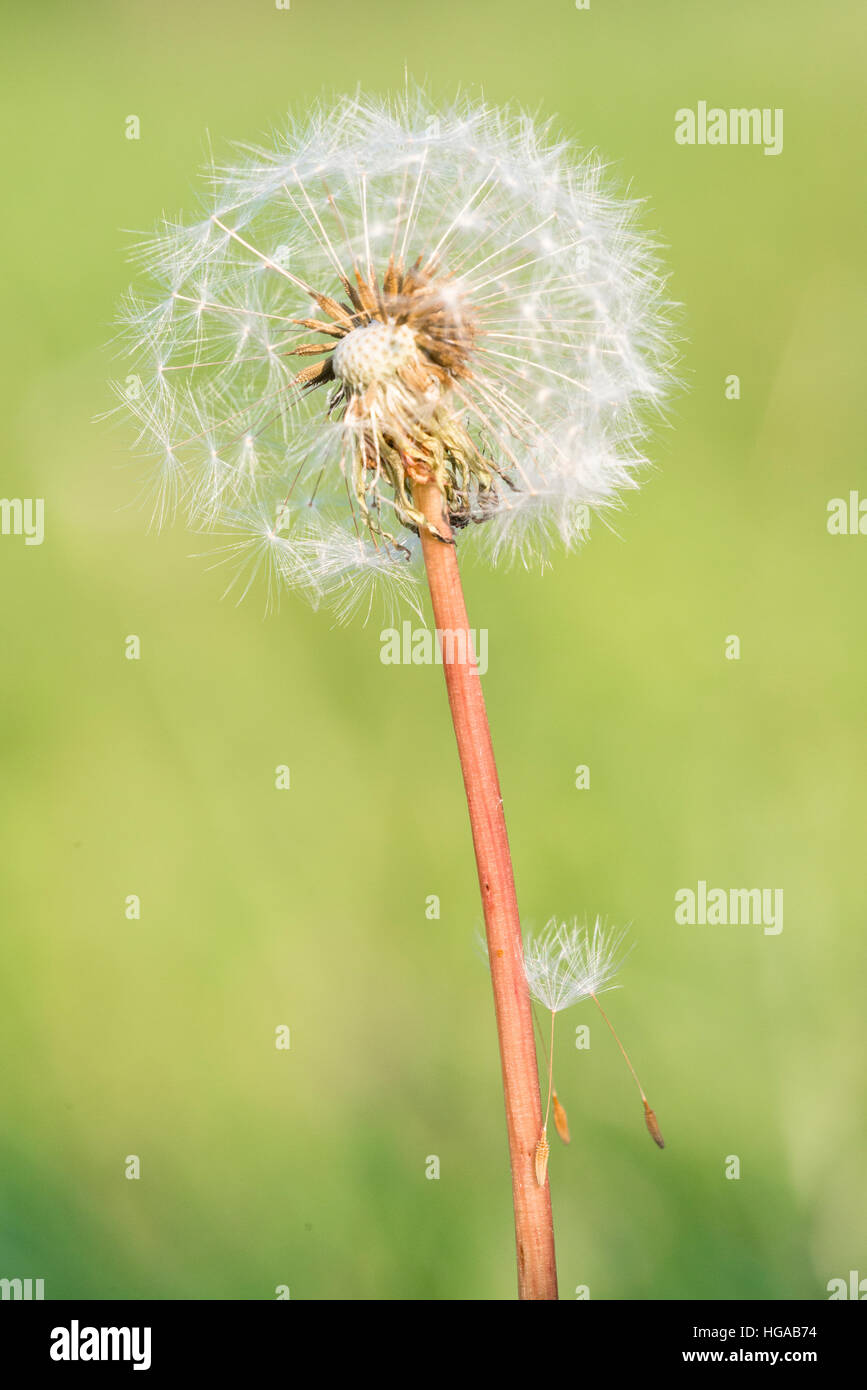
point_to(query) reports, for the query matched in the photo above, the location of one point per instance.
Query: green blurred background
(307, 907)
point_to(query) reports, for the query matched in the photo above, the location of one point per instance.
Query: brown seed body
(653, 1127)
(560, 1119)
(543, 1148)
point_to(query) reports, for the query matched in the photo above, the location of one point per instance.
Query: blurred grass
(307, 908)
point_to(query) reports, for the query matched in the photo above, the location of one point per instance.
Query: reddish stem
(534, 1231)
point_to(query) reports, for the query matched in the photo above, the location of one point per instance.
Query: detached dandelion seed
(563, 965)
(649, 1116)
(393, 326)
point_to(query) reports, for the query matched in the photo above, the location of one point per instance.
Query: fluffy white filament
(571, 348)
(566, 962)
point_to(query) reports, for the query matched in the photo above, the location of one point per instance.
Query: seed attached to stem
(543, 1148)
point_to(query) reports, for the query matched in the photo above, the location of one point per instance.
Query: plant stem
(534, 1231)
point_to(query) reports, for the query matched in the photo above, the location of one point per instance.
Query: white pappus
(391, 292)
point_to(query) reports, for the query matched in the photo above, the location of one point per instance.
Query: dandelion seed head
(385, 294)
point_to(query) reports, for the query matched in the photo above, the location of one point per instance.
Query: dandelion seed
(543, 1149)
(653, 1127)
(561, 1120)
(563, 965)
(649, 1116)
(566, 962)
